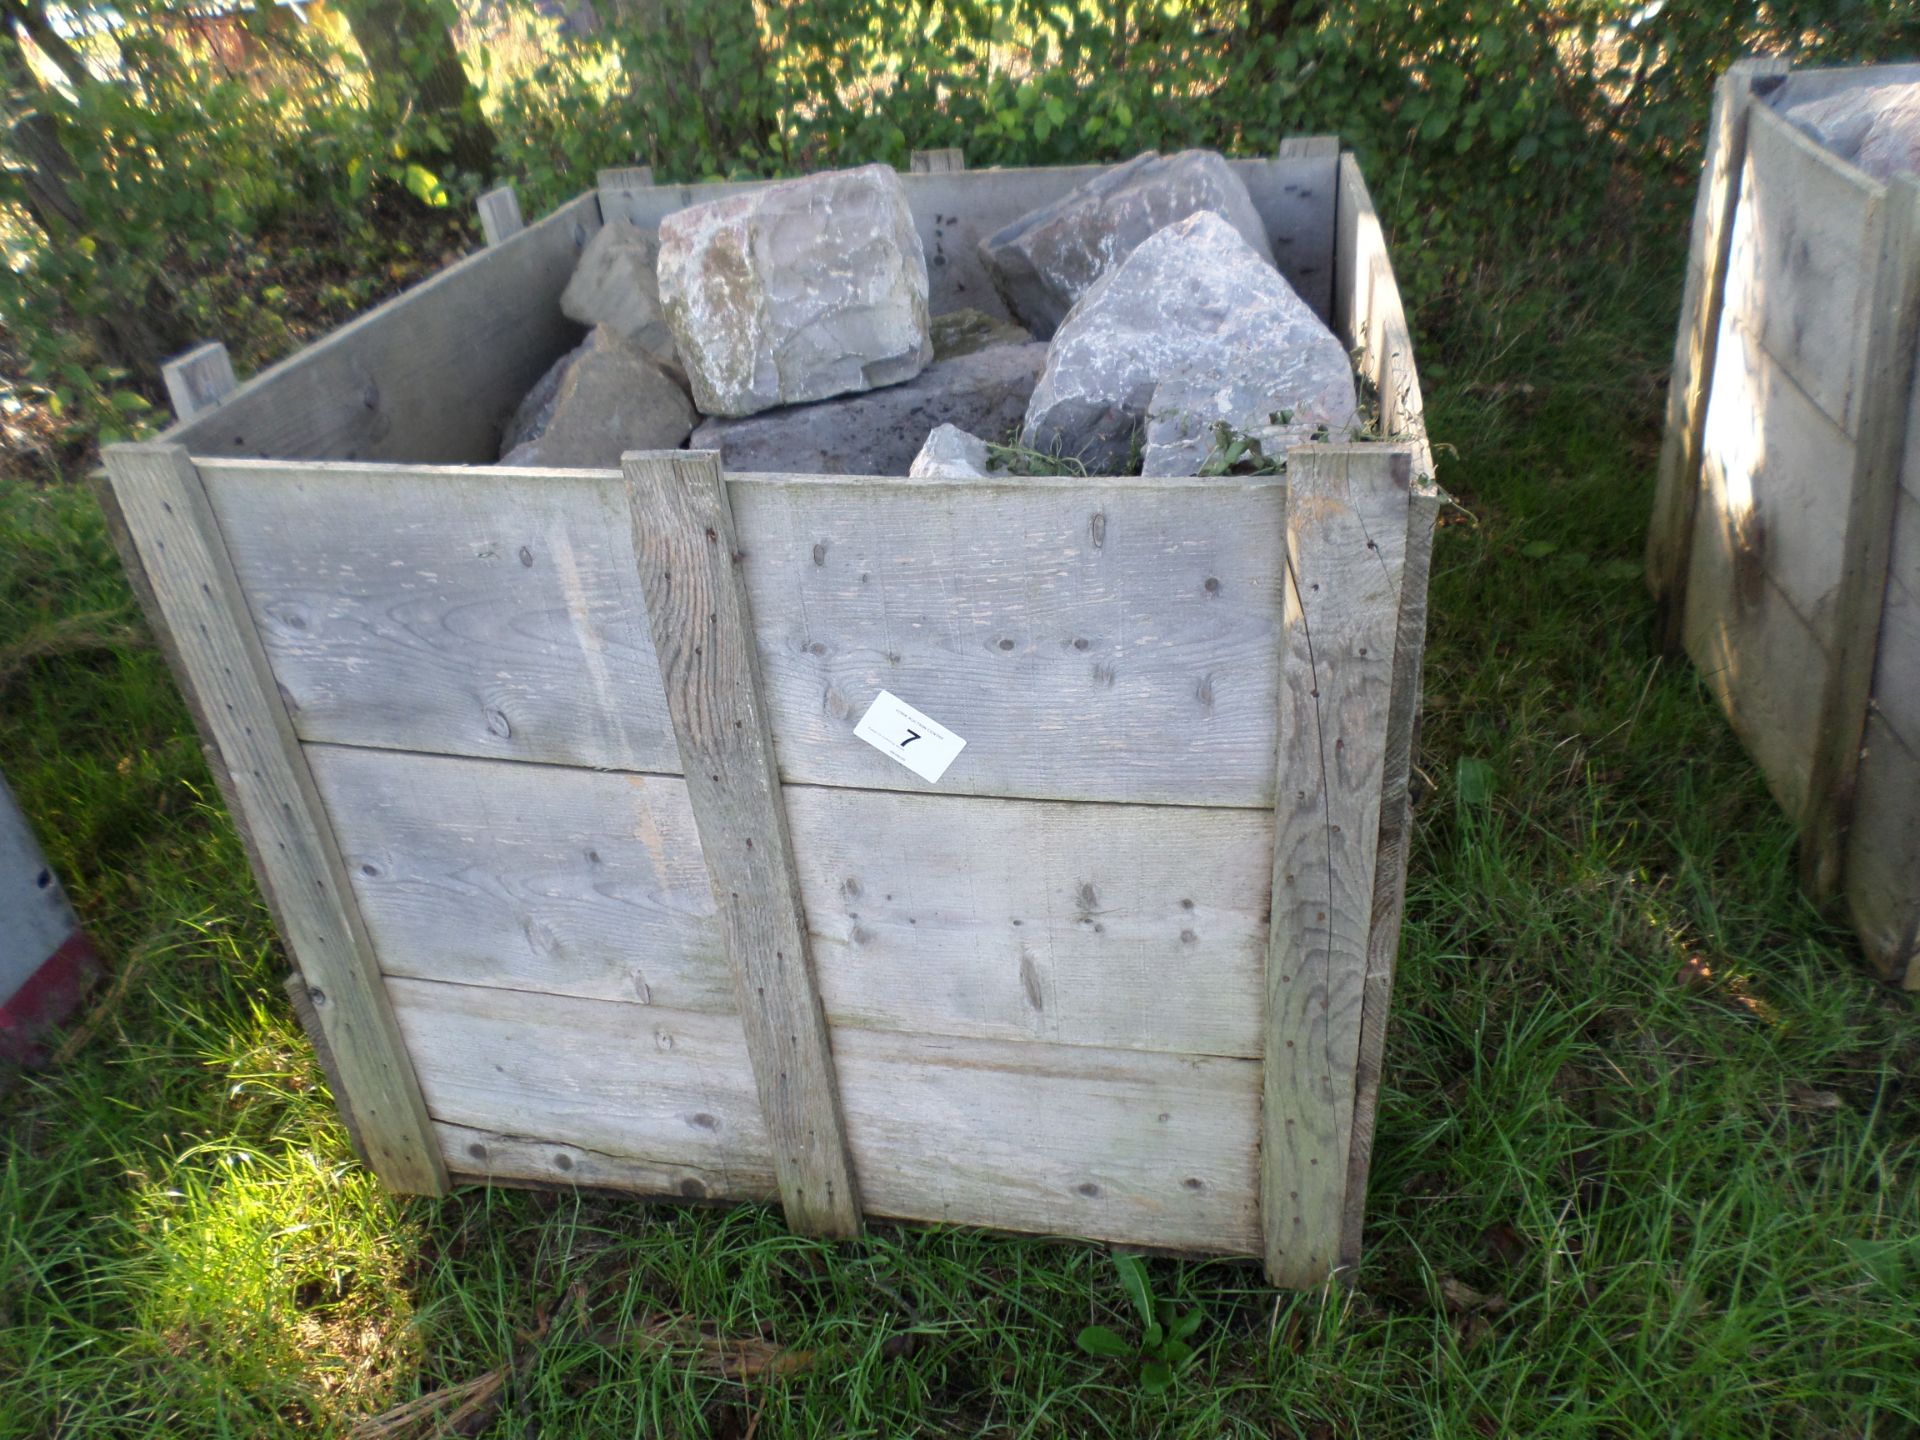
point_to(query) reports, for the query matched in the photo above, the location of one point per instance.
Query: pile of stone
(1877, 127)
(788, 329)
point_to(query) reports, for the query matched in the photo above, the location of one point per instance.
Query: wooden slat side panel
(1819, 83)
(1776, 477)
(1125, 1146)
(1137, 1148)
(688, 556)
(1870, 506)
(1092, 640)
(1370, 317)
(669, 1089)
(1346, 535)
(1883, 853)
(529, 877)
(1670, 533)
(1109, 641)
(193, 585)
(1123, 927)
(955, 211)
(1896, 684)
(466, 613)
(1394, 851)
(430, 376)
(1128, 927)
(1814, 226)
(1761, 660)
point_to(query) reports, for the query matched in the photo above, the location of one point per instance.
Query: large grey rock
(796, 292)
(961, 332)
(880, 432)
(601, 400)
(1045, 260)
(951, 454)
(1193, 329)
(614, 284)
(1877, 127)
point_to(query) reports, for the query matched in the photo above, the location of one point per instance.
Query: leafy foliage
(1165, 1346)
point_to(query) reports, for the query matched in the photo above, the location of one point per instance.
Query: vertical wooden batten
(1347, 525)
(199, 379)
(1893, 335)
(500, 214)
(689, 559)
(1676, 496)
(221, 661)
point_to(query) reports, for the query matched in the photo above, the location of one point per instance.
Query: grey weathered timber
(689, 563)
(591, 884)
(308, 1014)
(1369, 316)
(623, 188)
(1144, 1148)
(490, 613)
(430, 376)
(1892, 326)
(936, 162)
(1883, 853)
(500, 214)
(668, 1088)
(1670, 535)
(1394, 852)
(1347, 521)
(1309, 147)
(222, 661)
(198, 380)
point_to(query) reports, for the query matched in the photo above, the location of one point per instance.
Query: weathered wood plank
(1883, 853)
(1782, 469)
(1896, 682)
(1369, 315)
(1822, 81)
(500, 217)
(1670, 534)
(996, 919)
(1104, 641)
(937, 162)
(1092, 640)
(670, 1090)
(955, 210)
(1810, 227)
(1126, 1146)
(1753, 650)
(1133, 1147)
(193, 584)
(1868, 510)
(1346, 533)
(429, 376)
(1393, 852)
(304, 1010)
(199, 379)
(687, 554)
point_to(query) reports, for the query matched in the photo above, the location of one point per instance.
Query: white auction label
(895, 728)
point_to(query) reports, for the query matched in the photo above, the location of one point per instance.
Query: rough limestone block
(950, 454)
(1044, 261)
(1193, 329)
(1877, 127)
(961, 332)
(614, 284)
(796, 292)
(879, 433)
(598, 402)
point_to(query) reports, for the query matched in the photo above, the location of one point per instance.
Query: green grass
(1637, 1089)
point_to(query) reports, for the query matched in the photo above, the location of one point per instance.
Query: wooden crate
(549, 775)
(1785, 544)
